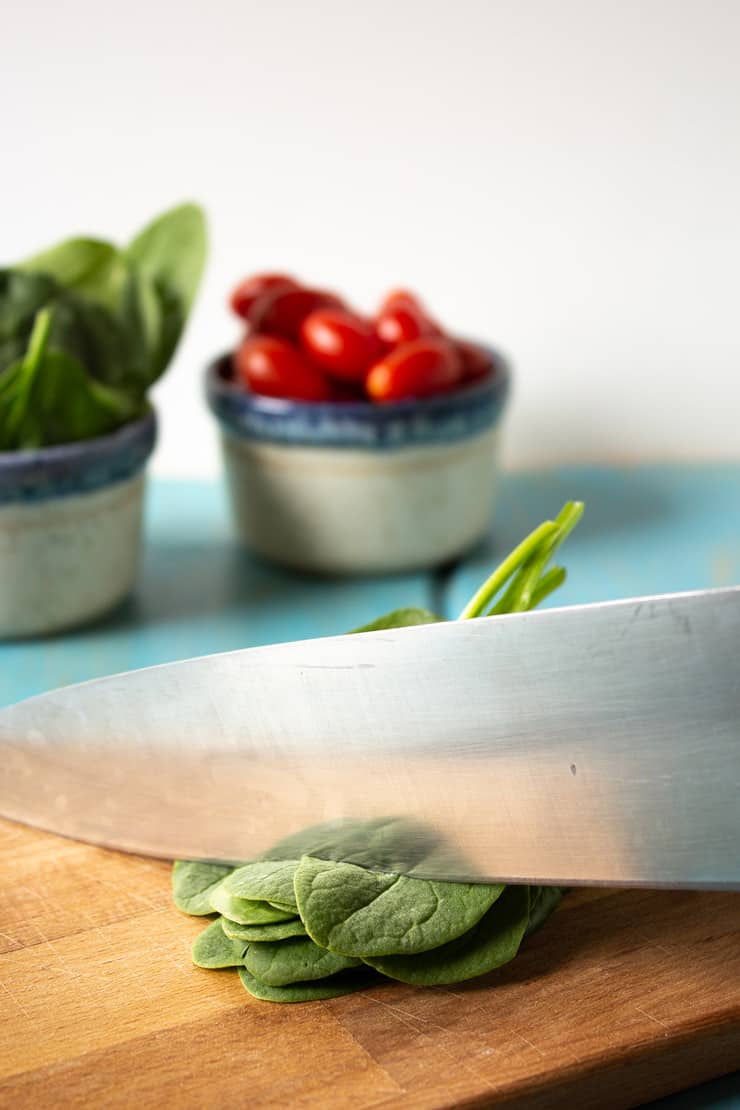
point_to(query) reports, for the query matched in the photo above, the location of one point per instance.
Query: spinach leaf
(294, 961)
(271, 931)
(88, 266)
(168, 256)
(493, 941)
(47, 398)
(400, 618)
(141, 314)
(21, 297)
(355, 912)
(333, 987)
(86, 331)
(92, 335)
(245, 911)
(172, 251)
(265, 880)
(543, 900)
(193, 883)
(212, 948)
(390, 843)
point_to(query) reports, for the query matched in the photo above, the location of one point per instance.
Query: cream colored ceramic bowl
(357, 488)
(70, 521)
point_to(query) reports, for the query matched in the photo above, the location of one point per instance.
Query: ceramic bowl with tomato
(355, 445)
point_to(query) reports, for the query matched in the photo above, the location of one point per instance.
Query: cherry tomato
(268, 365)
(476, 363)
(402, 318)
(340, 342)
(247, 291)
(398, 297)
(416, 369)
(282, 310)
(402, 323)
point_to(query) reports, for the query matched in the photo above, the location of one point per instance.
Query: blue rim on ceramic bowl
(75, 468)
(442, 418)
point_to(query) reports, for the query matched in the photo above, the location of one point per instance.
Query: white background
(560, 177)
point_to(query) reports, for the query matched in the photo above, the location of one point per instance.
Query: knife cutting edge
(594, 744)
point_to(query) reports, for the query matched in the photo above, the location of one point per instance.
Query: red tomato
(476, 362)
(247, 291)
(268, 365)
(402, 318)
(416, 369)
(398, 297)
(402, 323)
(282, 310)
(340, 342)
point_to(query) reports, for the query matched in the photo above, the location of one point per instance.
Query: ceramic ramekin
(356, 488)
(70, 521)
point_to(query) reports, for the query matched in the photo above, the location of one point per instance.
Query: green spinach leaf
(333, 987)
(212, 948)
(391, 843)
(294, 961)
(89, 266)
(245, 911)
(47, 398)
(172, 251)
(400, 618)
(493, 941)
(169, 257)
(543, 901)
(22, 296)
(271, 931)
(265, 880)
(92, 335)
(192, 885)
(355, 912)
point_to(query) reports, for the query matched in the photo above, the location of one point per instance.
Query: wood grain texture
(624, 996)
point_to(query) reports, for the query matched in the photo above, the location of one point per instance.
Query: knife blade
(594, 744)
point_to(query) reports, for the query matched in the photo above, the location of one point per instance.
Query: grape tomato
(247, 291)
(476, 362)
(416, 369)
(340, 342)
(273, 367)
(401, 324)
(281, 311)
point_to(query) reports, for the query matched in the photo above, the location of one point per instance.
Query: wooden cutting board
(622, 997)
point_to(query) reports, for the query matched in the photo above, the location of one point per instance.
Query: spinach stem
(549, 582)
(19, 399)
(524, 569)
(519, 597)
(38, 339)
(483, 597)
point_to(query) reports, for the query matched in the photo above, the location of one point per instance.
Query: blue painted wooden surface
(197, 594)
(648, 529)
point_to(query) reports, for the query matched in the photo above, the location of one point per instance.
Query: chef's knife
(593, 744)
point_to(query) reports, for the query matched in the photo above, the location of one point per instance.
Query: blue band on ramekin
(443, 418)
(75, 468)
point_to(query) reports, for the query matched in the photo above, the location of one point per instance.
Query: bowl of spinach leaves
(86, 328)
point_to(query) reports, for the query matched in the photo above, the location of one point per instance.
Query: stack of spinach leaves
(86, 328)
(305, 921)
